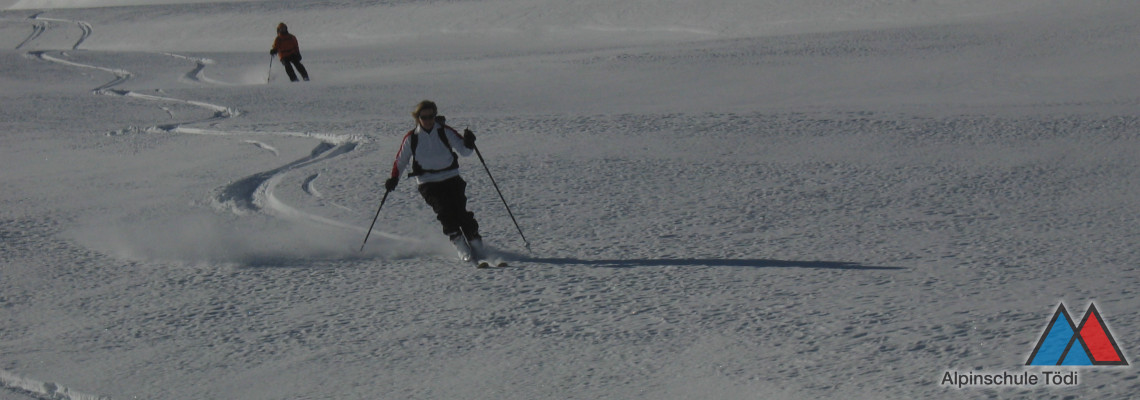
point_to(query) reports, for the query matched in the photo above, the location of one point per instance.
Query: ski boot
(462, 248)
(478, 252)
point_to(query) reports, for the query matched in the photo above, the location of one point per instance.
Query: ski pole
(269, 75)
(382, 200)
(501, 196)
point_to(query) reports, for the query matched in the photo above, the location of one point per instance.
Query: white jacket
(431, 153)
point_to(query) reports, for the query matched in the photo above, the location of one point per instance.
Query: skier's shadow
(707, 262)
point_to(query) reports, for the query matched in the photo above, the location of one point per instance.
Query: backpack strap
(417, 169)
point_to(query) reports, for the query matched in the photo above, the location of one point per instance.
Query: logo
(1063, 344)
(1066, 344)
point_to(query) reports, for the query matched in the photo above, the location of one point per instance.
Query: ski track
(168, 112)
(40, 389)
(40, 25)
(83, 26)
(38, 29)
(264, 146)
(252, 194)
(197, 75)
(308, 186)
(243, 196)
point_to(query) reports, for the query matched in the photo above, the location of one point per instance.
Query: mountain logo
(1066, 344)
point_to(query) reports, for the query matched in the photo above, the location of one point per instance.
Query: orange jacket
(286, 45)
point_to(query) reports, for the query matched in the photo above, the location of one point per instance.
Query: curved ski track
(38, 29)
(40, 25)
(197, 74)
(251, 194)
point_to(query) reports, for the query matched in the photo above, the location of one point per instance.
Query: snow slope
(725, 199)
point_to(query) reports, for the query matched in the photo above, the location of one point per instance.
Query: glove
(390, 185)
(469, 138)
(273, 52)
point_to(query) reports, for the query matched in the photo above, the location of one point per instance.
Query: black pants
(289, 62)
(449, 201)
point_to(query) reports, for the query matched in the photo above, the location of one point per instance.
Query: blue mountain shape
(1078, 354)
(1056, 339)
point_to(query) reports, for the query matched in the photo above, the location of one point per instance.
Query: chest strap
(417, 169)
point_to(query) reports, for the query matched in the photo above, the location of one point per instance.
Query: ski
(474, 253)
(483, 264)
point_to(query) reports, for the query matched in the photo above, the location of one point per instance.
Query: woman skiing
(289, 52)
(430, 151)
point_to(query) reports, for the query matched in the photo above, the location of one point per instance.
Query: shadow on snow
(707, 262)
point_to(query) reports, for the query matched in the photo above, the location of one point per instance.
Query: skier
(430, 150)
(286, 48)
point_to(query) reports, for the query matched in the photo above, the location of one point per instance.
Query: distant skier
(430, 150)
(287, 50)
